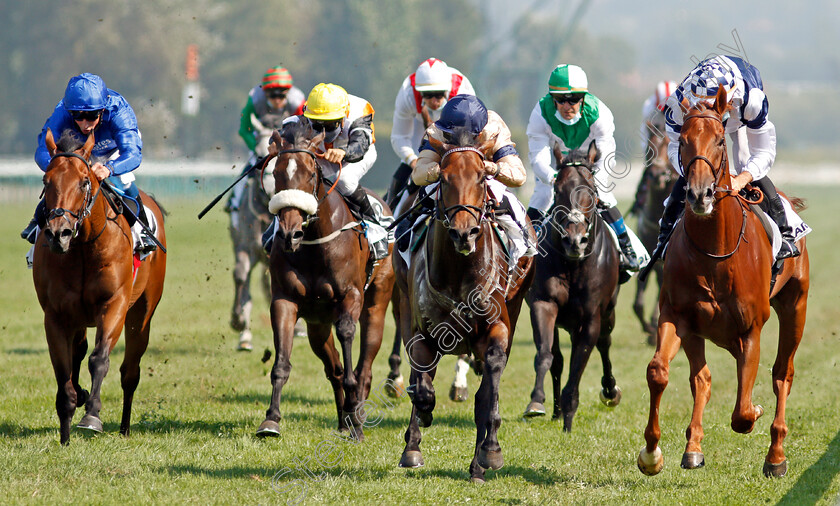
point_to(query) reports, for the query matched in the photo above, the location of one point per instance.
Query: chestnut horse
(318, 271)
(83, 277)
(661, 176)
(717, 287)
(576, 288)
(459, 296)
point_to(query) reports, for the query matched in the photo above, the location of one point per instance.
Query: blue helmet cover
(86, 92)
(465, 111)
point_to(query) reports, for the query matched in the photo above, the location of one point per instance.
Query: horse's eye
(722, 141)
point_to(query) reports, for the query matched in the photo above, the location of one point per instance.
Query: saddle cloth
(136, 230)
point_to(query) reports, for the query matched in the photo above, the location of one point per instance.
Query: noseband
(445, 214)
(84, 211)
(313, 216)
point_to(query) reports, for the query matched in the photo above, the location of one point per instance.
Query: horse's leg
(422, 394)
(654, 317)
(582, 344)
(283, 317)
(459, 392)
(108, 329)
(610, 393)
(543, 321)
(240, 318)
(556, 373)
(700, 379)
(372, 322)
(80, 347)
(345, 329)
(396, 386)
(790, 305)
(321, 341)
(58, 341)
(488, 452)
(746, 413)
(650, 459)
(639, 307)
(137, 327)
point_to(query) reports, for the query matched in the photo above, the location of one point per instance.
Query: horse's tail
(798, 204)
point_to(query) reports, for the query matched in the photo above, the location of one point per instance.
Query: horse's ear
(88, 147)
(50, 142)
(593, 153)
(437, 145)
(318, 138)
(684, 105)
(558, 154)
(487, 145)
(721, 103)
(274, 143)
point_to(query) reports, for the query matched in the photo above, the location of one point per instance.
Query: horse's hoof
(245, 346)
(650, 463)
(611, 402)
(775, 470)
(269, 428)
(478, 480)
(534, 409)
(692, 460)
(395, 387)
(411, 459)
(490, 460)
(758, 411)
(424, 419)
(91, 423)
(458, 394)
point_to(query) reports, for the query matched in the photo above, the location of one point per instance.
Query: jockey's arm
(360, 138)
(402, 129)
(427, 169)
(123, 126)
(539, 147)
(508, 169)
(246, 129)
(762, 145)
(603, 133)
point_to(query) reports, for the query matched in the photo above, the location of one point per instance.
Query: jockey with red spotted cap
(753, 138)
(568, 117)
(269, 103)
(502, 164)
(90, 107)
(419, 103)
(653, 124)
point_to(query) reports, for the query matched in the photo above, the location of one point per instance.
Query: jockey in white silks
(753, 138)
(419, 102)
(568, 117)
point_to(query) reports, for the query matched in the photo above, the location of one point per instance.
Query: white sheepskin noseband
(298, 199)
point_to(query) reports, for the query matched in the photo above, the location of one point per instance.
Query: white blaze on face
(291, 169)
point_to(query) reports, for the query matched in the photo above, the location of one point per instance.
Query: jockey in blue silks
(89, 107)
(753, 138)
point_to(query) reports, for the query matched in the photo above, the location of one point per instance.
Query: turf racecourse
(199, 403)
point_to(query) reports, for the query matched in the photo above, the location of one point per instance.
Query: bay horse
(83, 278)
(460, 295)
(318, 272)
(660, 176)
(575, 288)
(253, 218)
(717, 287)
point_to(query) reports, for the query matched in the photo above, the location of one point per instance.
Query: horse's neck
(444, 264)
(333, 214)
(96, 227)
(719, 232)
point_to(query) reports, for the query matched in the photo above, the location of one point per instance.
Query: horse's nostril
(297, 234)
(708, 192)
(584, 240)
(474, 231)
(66, 233)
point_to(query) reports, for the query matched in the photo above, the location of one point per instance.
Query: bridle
(316, 174)
(575, 214)
(444, 213)
(88, 202)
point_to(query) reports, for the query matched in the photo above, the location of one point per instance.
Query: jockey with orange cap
(568, 117)
(347, 123)
(753, 138)
(419, 102)
(653, 124)
(269, 103)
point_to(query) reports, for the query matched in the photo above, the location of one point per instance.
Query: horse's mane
(297, 133)
(462, 136)
(70, 142)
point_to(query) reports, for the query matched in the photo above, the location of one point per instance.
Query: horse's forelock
(69, 142)
(462, 136)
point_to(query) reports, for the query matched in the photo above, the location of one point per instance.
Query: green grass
(199, 403)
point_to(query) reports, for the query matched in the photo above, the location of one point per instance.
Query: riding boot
(360, 198)
(629, 260)
(537, 221)
(777, 212)
(145, 244)
(674, 206)
(398, 183)
(30, 233)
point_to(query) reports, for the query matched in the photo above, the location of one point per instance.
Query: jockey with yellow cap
(269, 103)
(568, 117)
(419, 102)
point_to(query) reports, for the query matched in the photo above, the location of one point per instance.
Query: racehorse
(253, 218)
(661, 176)
(319, 271)
(717, 286)
(83, 277)
(458, 296)
(576, 288)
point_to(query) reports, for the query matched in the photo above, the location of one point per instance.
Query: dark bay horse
(717, 287)
(318, 272)
(460, 295)
(661, 176)
(575, 287)
(83, 277)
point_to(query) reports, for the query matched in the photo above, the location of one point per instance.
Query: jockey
(753, 138)
(89, 107)
(348, 145)
(653, 124)
(419, 102)
(569, 117)
(502, 162)
(272, 101)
